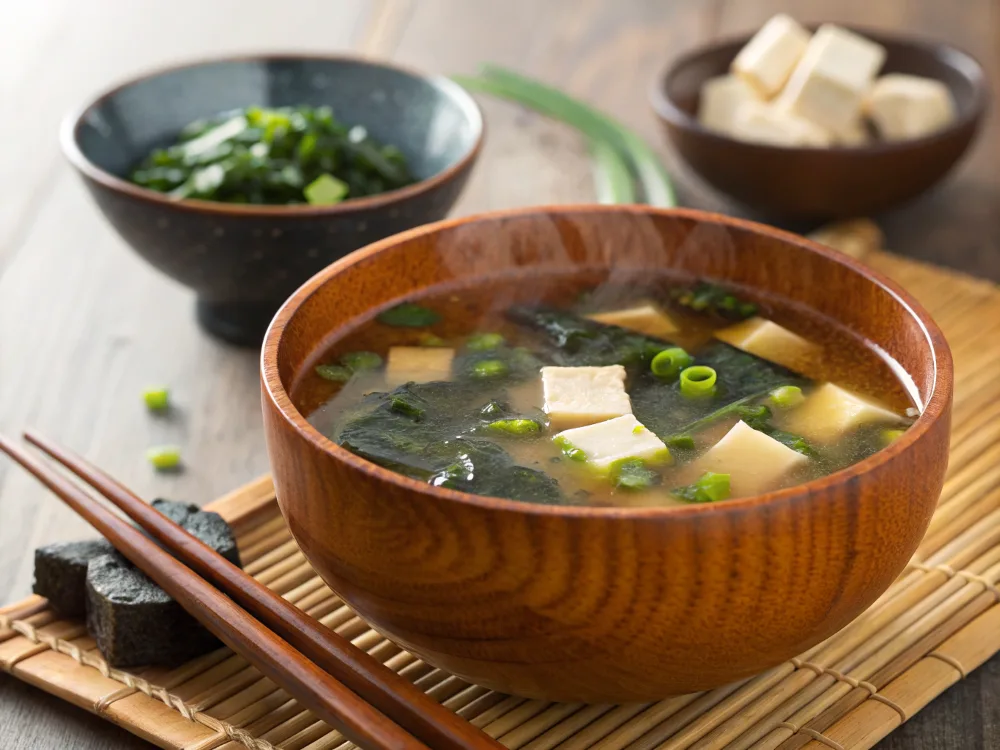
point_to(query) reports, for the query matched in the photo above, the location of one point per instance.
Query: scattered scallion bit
(334, 373)
(157, 399)
(409, 315)
(787, 397)
(709, 488)
(429, 339)
(891, 435)
(698, 381)
(612, 180)
(326, 190)
(518, 427)
(356, 361)
(632, 474)
(164, 457)
(273, 156)
(568, 449)
(490, 368)
(712, 298)
(638, 429)
(669, 363)
(682, 442)
(484, 342)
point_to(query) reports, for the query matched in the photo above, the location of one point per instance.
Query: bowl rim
(668, 110)
(73, 121)
(937, 406)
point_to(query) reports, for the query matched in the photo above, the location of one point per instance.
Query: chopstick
(389, 693)
(328, 698)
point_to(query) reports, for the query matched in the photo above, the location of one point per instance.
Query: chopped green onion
(612, 180)
(164, 457)
(355, 361)
(429, 339)
(670, 362)
(333, 373)
(568, 449)
(409, 315)
(657, 188)
(698, 381)
(326, 190)
(484, 342)
(787, 396)
(490, 368)
(518, 427)
(157, 399)
(710, 488)
(683, 442)
(632, 474)
(638, 429)
(891, 436)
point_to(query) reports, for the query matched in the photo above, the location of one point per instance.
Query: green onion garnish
(612, 181)
(698, 381)
(484, 342)
(669, 363)
(683, 442)
(355, 361)
(568, 449)
(490, 368)
(632, 474)
(409, 315)
(787, 396)
(519, 427)
(710, 488)
(157, 399)
(164, 457)
(333, 373)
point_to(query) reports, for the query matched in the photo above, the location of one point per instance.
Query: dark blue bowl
(243, 261)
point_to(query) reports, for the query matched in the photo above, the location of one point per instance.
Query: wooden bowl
(822, 183)
(242, 261)
(605, 604)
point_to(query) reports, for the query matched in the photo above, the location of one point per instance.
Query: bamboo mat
(939, 621)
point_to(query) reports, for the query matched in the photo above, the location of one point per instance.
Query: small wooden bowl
(822, 183)
(605, 604)
(242, 261)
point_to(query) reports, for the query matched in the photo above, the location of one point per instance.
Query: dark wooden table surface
(84, 324)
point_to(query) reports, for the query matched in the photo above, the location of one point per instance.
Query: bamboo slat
(939, 621)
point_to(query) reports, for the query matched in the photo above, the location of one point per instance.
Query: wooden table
(84, 324)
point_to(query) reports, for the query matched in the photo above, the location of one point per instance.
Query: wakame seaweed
(430, 432)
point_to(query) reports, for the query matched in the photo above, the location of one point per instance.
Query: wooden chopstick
(391, 694)
(276, 659)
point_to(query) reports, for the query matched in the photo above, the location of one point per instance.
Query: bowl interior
(624, 239)
(432, 120)
(682, 83)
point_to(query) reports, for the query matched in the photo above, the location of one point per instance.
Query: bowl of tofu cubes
(821, 123)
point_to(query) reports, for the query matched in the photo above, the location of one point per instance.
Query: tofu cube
(855, 134)
(755, 462)
(720, 98)
(613, 440)
(830, 83)
(772, 342)
(767, 123)
(830, 412)
(904, 106)
(647, 319)
(419, 364)
(577, 396)
(769, 57)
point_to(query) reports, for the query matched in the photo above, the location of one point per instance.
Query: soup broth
(578, 389)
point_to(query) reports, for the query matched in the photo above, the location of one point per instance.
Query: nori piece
(132, 619)
(61, 574)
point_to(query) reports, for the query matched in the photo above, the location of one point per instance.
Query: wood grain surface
(84, 324)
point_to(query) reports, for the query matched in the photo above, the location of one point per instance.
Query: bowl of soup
(605, 454)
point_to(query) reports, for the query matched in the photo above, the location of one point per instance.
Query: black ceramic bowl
(822, 183)
(243, 261)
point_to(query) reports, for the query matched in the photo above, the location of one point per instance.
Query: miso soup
(575, 389)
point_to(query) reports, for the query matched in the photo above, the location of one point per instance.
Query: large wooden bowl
(605, 604)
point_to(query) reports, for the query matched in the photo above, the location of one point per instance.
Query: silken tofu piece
(767, 60)
(720, 98)
(830, 83)
(830, 412)
(854, 134)
(647, 319)
(768, 123)
(614, 440)
(772, 342)
(904, 106)
(419, 364)
(577, 396)
(755, 462)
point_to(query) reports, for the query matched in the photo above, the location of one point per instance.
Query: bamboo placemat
(939, 621)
